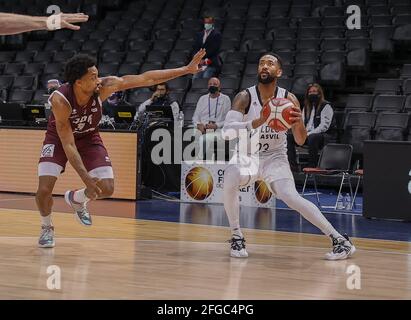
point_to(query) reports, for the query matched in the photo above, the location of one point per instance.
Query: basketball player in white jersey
(266, 158)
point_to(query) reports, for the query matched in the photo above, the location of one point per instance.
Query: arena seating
(365, 72)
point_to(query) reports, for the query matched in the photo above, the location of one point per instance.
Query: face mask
(51, 90)
(313, 98)
(212, 89)
(208, 26)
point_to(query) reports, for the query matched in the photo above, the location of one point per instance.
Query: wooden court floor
(124, 258)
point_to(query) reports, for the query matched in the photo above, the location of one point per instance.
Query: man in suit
(209, 39)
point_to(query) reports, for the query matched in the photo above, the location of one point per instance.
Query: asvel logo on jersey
(268, 133)
(74, 112)
(47, 151)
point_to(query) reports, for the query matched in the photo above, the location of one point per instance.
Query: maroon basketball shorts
(94, 155)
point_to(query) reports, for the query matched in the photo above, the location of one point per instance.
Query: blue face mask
(208, 26)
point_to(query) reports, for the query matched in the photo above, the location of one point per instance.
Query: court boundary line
(198, 242)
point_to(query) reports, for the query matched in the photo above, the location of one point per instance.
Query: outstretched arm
(62, 112)
(298, 128)
(15, 23)
(149, 78)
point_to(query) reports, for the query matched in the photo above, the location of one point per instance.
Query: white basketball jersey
(269, 140)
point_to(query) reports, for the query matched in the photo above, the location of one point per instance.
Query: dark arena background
(162, 234)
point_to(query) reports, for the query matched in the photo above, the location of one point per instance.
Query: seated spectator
(160, 98)
(52, 85)
(210, 114)
(317, 117)
(210, 39)
(112, 102)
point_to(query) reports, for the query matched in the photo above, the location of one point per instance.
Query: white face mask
(208, 26)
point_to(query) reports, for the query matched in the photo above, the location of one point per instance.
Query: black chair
(24, 82)
(179, 84)
(25, 56)
(332, 32)
(335, 160)
(156, 56)
(306, 69)
(387, 86)
(21, 96)
(138, 97)
(406, 87)
(108, 69)
(199, 85)
(332, 56)
(358, 128)
(309, 57)
(43, 56)
(163, 46)
(391, 126)
(13, 69)
(63, 56)
(406, 71)
(6, 82)
(359, 102)
(300, 84)
(112, 57)
(284, 45)
(192, 98)
(333, 74)
(388, 103)
(150, 66)
(231, 70)
(358, 60)
(128, 68)
(407, 105)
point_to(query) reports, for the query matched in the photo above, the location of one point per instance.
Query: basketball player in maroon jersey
(72, 135)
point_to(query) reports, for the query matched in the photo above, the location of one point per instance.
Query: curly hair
(77, 67)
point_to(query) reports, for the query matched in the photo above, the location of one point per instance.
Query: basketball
(278, 111)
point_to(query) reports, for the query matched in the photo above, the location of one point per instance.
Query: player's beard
(267, 80)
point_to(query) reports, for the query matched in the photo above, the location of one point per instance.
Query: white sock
(232, 181)
(46, 221)
(285, 190)
(80, 196)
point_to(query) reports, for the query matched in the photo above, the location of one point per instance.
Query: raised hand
(193, 67)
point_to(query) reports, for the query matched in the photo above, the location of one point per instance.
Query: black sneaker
(342, 248)
(238, 247)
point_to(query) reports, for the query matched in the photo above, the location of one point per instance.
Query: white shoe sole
(342, 257)
(45, 246)
(235, 255)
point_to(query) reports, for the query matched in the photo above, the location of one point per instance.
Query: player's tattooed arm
(149, 78)
(241, 103)
(62, 112)
(298, 128)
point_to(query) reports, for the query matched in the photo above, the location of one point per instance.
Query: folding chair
(335, 161)
(359, 173)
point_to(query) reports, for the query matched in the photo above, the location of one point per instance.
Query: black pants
(314, 141)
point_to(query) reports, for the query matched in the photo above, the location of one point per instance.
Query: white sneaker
(238, 247)
(342, 249)
(80, 209)
(46, 239)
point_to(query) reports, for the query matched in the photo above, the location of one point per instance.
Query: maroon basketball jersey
(84, 120)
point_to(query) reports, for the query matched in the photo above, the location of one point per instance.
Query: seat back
(336, 156)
